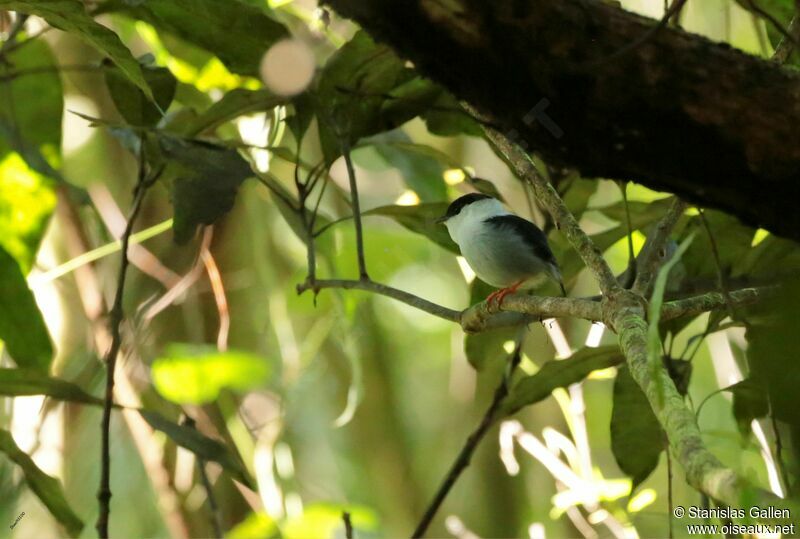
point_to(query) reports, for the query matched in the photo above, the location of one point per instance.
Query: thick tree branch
(703, 470)
(677, 113)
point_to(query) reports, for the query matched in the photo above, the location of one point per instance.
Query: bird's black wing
(531, 234)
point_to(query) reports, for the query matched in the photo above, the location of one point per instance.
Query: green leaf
(201, 445)
(364, 89)
(446, 118)
(325, 520)
(420, 219)
(22, 327)
(207, 178)
(257, 525)
(637, 438)
(196, 374)
(22, 382)
(237, 33)
(779, 11)
(31, 107)
(773, 340)
(47, 488)
(233, 104)
(421, 173)
(750, 401)
(486, 347)
(132, 104)
(71, 16)
(560, 373)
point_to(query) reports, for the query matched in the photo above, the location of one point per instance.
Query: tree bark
(676, 112)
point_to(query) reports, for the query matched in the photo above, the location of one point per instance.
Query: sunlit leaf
(196, 374)
(47, 489)
(132, 104)
(31, 107)
(637, 438)
(27, 201)
(321, 520)
(201, 445)
(22, 382)
(71, 16)
(421, 173)
(22, 327)
(237, 33)
(560, 373)
(255, 526)
(207, 178)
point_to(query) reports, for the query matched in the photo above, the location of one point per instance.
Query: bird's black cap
(459, 204)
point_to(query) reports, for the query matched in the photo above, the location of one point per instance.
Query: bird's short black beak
(441, 220)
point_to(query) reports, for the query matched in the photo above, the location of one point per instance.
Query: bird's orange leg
(500, 295)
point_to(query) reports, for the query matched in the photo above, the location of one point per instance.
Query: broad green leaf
(31, 107)
(22, 327)
(255, 526)
(777, 11)
(233, 104)
(750, 401)
(196, 374)
(27, 201)
(560, 373)
(71, 16)
(421, 173)
(207, 178)
(420, 219)
(637, 438)
(237, 33)
(132, 104)
(446, 118)
(773, 340)
(22, 382)
(364, 89)
(201, 445)
(47, 488)
(486, 347)
(325, 520)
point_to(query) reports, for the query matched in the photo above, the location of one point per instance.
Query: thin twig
(220, 298)
(115, 321)
(669, 492)
(348, 525)
(721, 276)
(41, 70)
(383, 290)
(652, 254)
(764, 14)
(351, 175)
(465, 455)
(787, 46)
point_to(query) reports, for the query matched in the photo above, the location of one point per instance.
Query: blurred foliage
(313, 405)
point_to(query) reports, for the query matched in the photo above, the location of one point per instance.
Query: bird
(504, 250)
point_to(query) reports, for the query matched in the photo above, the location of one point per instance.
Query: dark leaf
(132, 104)
(233, 104)
(22, 382)
(446, 118)
(47, 488)
(637, 438)
(237, 33)
(204, 447)
(364, 89)
(560, 373)
(22, 327)
(207, 178)
(71, 16)
(750, 402)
